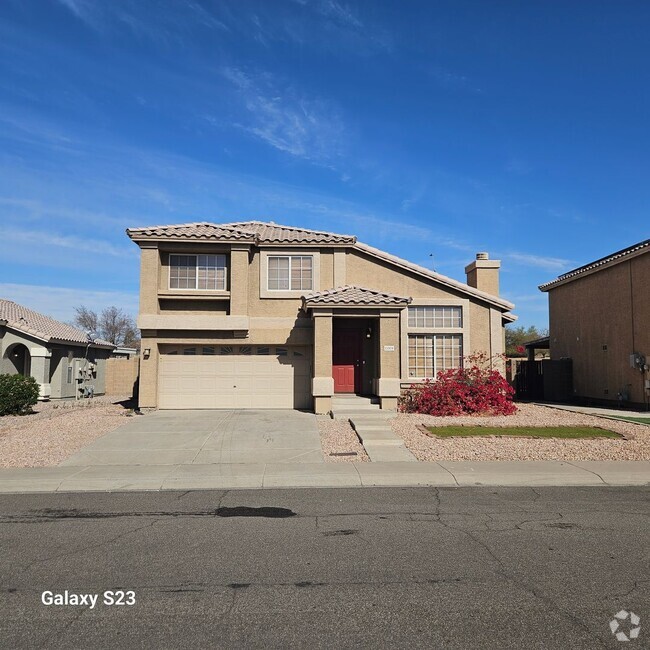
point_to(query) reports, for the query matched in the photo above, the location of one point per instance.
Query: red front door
(346, 364)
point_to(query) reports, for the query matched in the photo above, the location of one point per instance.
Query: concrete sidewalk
(597, 410)
(266, 475)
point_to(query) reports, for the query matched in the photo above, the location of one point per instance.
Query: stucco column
(322, 382)
(239, 269)
(149, 271)
(148, 378)
(388, 383)
(39, 369)
(496, 341)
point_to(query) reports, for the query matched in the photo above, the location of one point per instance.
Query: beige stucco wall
(485, 333)
(275, 320)
(121, 376)
(607, 308)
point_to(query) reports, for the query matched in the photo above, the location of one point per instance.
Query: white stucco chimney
(483, 274)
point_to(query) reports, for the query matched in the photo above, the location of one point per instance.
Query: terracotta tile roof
(619, 256)
(200, 231)
(272, 233)
(42, 327)
(350, 295)
(258, 232)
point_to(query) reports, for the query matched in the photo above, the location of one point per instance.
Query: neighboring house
(122, 352)
(257, 315)
(60, 357)
(599, 317)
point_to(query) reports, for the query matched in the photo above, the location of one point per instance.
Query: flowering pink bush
(473, 389)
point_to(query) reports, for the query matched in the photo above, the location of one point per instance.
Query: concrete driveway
(207, 437)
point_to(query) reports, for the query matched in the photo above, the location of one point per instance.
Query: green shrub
(17, 394)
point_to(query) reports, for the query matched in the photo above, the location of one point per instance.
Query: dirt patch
(636, 446)
(56, 430)
(338, 437)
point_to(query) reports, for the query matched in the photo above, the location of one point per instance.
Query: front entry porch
(357, 343)
(354, 355)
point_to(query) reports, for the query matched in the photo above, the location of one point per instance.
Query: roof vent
(482, 256)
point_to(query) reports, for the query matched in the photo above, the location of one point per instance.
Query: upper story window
(290, 272)
(197, 272)
(434, 317)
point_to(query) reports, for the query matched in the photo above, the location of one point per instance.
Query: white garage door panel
(234, 381)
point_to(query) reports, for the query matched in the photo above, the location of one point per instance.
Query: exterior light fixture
(146, 353)
(369, 333)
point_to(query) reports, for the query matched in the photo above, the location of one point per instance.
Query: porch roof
(352, 296)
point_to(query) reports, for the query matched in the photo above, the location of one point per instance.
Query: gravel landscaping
(56, 430)
(427, 448)
(338, 436)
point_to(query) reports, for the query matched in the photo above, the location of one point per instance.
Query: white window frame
(196, 266)
(405, 330)
(265, 292)
(436, 337)
(291, 259)
(412, 310)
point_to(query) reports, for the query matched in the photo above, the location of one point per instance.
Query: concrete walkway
(206, 437)
(372, 427)
(599, 411)
(265, 475)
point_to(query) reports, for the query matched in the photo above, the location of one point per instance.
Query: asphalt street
(335, 568)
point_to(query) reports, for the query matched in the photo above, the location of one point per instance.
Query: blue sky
(425, 128)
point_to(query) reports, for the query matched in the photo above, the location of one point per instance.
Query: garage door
(234, 377)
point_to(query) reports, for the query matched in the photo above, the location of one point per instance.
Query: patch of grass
(523, 432)
(631, 419)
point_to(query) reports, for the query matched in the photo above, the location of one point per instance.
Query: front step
(345, 406)
(378, 439)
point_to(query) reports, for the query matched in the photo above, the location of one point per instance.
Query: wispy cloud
(30, 209)
(276, 113)
(12, 237)
(21, 126)
(555, 264)
(454, 81)
(169, 23)
(325, 24)
(59, 302)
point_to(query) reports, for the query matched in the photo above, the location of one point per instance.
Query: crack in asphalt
(53, 515)
(64, 630)
(511, 577)
(89, 547)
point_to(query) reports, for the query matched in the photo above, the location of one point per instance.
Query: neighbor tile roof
(619, 256)
(42, 327)
(350, 295)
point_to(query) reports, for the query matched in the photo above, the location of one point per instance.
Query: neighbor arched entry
(18, 360)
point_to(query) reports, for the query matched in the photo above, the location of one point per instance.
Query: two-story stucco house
(258, 315)
(599, 317)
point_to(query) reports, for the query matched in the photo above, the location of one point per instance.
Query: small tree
(112, 324)
(17, 394)
(517, 337)
(475, 389)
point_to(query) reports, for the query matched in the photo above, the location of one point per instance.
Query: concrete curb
(121, 478)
